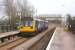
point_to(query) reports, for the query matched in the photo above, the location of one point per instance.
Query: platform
(62, 40)
(8, 33)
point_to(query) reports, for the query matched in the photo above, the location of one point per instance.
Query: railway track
(9, 41)
(13, 44)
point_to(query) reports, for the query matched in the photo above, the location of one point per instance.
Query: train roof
(27, 18)
(38, 20)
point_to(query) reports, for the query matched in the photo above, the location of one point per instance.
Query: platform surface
(8, 33)
(62, 40)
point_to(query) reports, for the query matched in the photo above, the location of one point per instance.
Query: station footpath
(62, 40)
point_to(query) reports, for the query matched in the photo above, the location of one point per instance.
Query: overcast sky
(51, 6)
(1, 9)
(54, 6)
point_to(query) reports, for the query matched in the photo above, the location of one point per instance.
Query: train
(32, 26)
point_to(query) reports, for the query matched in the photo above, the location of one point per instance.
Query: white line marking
(50, 42)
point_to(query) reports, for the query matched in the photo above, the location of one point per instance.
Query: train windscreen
(28, 23)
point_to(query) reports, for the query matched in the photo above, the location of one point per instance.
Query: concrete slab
(62, 40)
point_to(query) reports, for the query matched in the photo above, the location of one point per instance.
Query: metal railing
(6, 28)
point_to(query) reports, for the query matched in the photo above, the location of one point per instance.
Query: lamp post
(19, 13)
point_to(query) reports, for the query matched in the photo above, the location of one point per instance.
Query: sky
(54, 6)
(50, 7)
(1, 9)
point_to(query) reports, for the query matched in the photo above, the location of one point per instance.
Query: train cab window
(28, 23)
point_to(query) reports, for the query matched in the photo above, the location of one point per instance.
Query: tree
(10, 11)
(25, 9)
(21, 7)
(69, 19)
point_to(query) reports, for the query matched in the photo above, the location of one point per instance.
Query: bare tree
(26, 10)
(10, 11)
(22, 7)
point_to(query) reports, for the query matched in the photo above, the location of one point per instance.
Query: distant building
(50, 17)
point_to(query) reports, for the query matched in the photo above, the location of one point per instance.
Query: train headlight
(21, 27)
(31, 26)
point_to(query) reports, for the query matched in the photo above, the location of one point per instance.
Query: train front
(27, 27)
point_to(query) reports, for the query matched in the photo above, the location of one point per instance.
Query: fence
(6, 28)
